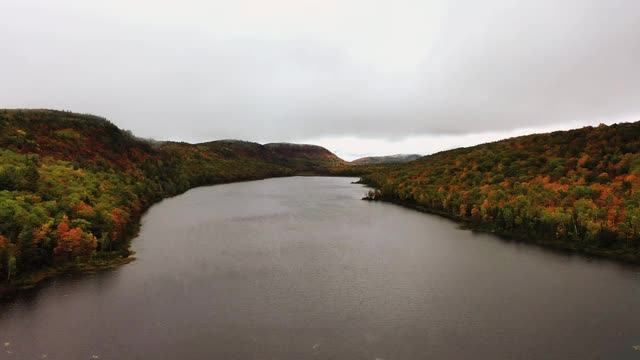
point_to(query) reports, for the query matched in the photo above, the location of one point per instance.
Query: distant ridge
(390, 159)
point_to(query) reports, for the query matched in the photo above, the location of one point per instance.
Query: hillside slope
(575, 189)
(73, 187)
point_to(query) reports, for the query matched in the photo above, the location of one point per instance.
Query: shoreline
(32, 280)
(39, 277)
(615, 255)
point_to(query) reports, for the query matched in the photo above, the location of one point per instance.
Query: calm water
(300, 268)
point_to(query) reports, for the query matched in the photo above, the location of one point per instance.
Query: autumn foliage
(578, 189)
(73, 187)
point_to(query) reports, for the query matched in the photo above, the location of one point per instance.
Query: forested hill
(576, 189)
(301, 158)
(390, 159)
(73, 187)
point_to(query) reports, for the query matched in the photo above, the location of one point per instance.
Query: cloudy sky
(360, 77)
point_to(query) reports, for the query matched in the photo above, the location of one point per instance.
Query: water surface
(301, 268)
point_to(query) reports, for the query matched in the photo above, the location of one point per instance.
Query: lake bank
(116, 259)
(619, 255)
(43, 275)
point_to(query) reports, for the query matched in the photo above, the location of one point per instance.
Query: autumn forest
(73, 187)
(576, 189)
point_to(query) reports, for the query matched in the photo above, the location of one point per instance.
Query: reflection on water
(300, 268)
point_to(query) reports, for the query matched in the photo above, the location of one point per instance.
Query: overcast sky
(360, 77)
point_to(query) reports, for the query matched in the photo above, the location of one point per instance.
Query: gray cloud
(286, 70)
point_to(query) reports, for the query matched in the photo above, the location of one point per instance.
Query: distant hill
(304, 158)
(73, 186)
(297, 157)
(577, 189)
(390, 159)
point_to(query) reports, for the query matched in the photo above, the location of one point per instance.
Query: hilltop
(297, 157)
(575, 189)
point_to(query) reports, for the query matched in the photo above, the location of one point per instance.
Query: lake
(301, 268)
